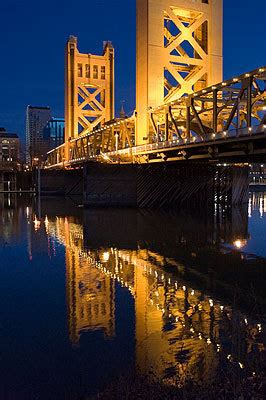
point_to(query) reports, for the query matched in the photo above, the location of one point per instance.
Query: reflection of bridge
(178, 328)
(182, 112)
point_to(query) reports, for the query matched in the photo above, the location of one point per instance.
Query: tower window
(95, 72)
(103, 72)
(80, 70)
(87, 71)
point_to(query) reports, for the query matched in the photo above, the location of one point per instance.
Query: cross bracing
(231, 114)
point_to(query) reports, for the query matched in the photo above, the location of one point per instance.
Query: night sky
(33, 37)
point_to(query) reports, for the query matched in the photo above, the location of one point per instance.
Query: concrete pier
(61, 182)
(164, 184)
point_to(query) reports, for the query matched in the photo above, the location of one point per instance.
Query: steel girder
(221, 111)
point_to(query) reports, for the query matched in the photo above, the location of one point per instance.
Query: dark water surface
(88, 295)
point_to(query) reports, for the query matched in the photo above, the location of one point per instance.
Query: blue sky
(33, 37)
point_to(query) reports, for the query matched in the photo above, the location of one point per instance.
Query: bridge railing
(236, 103)
(230, 109)
(185, 142)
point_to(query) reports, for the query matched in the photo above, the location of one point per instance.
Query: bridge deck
(224, 121)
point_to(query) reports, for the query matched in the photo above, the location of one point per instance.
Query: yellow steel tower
(89, 89)
(179, 50)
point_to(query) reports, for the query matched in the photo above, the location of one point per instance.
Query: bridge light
(239, 244)
(250, 129)
(213, 135)
(224, 84)
(225, 133)
(235, 80)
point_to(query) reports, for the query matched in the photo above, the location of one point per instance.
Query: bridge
(226, 120)
(185, 111)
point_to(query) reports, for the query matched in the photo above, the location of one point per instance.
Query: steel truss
(234, 104)
(114, 136)
(230, 109)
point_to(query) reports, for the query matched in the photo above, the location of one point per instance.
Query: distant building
(9, 157)
(54, 133)
(9, 146)
(36, 120)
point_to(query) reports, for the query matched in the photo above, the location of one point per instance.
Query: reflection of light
(239, 244)
(261, 207)
(46, 223)
(106, 256)
(250, 208)
(37, 224)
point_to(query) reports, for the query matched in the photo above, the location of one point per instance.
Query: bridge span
(224, 121)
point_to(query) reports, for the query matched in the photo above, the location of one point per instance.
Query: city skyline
(41, 79)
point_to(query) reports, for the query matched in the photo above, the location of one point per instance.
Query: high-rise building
(54, 133)
(36, 120)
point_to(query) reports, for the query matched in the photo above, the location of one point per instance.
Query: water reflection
(198, 298)
(180, 329)
(9, 218)
(257, 202)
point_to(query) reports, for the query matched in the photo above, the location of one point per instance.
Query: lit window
(102, 72)
(95, 72)
(88, 72)
(80, 70)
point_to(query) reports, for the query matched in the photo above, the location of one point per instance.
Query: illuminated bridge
(185, 111)
(226, 120)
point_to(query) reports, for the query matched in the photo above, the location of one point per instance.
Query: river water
(89, 295)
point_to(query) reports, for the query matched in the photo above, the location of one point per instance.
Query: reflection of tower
(90, 298)
(150, 344)
(90, 293)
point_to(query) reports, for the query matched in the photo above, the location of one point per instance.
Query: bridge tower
(89, 89)
(179, 50)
